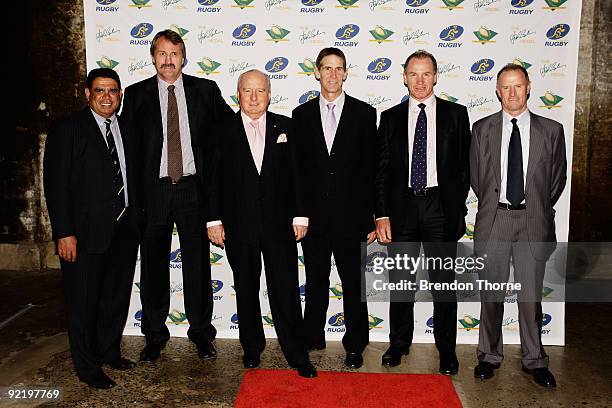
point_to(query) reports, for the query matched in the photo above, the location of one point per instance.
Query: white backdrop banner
(471, 39)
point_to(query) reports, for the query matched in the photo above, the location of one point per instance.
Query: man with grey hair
(518, 172)
(256, 208)
(170, 115)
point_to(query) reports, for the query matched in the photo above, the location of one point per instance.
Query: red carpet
(284, 388)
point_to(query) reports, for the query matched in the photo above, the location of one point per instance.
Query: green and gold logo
(550, 100)
(215, 258)
(267, 320)
(484, 35)
(381, 34)
(242, 4)
(448, 97)
(452, 4)
(374, 321)
(308, 66)
(177, 317)
(107, 62)
(522, 63)
(208, 66)
(469, 322)
(347, 4)
(235, 103)
(179, 30)
(277, 34)
(554, 4)
(140, 3)
(469, 230)
(301, 260)
(336, 291)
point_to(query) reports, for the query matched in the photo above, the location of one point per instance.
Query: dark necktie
(515, 190)
(418, 167)
(119, 201)
(175, 155)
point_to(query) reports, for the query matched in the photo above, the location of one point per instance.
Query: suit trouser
(176, 204)
(508, 240)
(97, 290)
(281, 269)
(424, 223)
(318, 250)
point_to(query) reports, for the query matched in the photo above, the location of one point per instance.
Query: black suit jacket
(205, 106)
(78, 181)
(255, 206)
(452, 162)
(338, 186)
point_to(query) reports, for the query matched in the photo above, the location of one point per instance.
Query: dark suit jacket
(141, 109)
(255, 206)
(78, 181)
(545, 179)
(452, 151)
(338, 186)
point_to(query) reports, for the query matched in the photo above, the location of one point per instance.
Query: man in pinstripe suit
(518, 172)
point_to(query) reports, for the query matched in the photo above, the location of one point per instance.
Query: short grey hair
(268, 83)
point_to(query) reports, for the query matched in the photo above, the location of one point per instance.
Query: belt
(507, 206)
(423, 193)
(168, 180)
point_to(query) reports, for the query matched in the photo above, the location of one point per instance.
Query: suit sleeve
(475, 158)
(464, 154)
(381, 180)
(299, 150)
(559, 166)
(371, 162)
(222, 111)
(299, 208)
(212, 167)
(56, 179)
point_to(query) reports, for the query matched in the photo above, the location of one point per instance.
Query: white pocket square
(282, 138)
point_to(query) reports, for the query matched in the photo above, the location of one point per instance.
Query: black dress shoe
(353, 360)
(316, 346)
(306, 370)
(121, 364)
(449, 364)
(393, 356)
(206, 351)
(542, 376)
(484, 370)
(99, 381)
(150, 352)
(251, 361)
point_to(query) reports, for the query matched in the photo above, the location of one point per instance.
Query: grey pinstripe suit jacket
(545, 180)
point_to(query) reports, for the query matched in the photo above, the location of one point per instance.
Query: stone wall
(51, 78)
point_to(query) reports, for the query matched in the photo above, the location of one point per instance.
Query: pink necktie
(258, 146)
(330, 126)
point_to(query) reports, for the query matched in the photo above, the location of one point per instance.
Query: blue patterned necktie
(418, 167)
(515, 189)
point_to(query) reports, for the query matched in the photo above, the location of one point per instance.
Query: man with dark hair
(256, 209)
(518, 172)
(335, 134)
(171, 115)
(89, 171)
(421, 186)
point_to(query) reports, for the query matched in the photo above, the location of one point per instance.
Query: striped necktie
(119, 200)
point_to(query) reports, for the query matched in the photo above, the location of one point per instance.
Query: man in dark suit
(422, 184)
(518, 172)
(172, 114)
(256, 208)
(335, 134)
(89, 186)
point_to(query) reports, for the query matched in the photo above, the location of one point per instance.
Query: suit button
(496, 191)
(331, 173)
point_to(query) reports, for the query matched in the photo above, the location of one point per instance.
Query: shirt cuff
(382, 218)
(302, 221)
(213, 223)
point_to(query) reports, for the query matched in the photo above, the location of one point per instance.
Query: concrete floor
(34, 351)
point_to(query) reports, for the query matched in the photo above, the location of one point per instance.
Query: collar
(521, 119)
(247, 121)
(164, 85)
(101, 119)
(413, 104)
(339, 101)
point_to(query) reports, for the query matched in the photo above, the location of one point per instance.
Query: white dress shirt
(430, 112)
(523, 121)
(339, 102)
(114, 126)
(181, 102)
